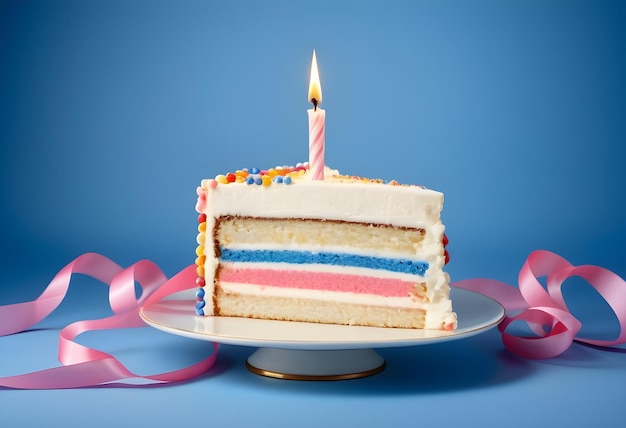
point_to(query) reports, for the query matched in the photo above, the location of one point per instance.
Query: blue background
(111, 112)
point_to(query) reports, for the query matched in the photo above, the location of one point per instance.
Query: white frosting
(365, 202)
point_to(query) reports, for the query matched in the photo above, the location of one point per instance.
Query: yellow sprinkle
(221, 178)
(200, 271)
(267, 180)
(200, 260)
(202, 227)
(201, 239)
(200, 250)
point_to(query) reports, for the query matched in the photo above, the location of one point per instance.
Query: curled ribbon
(545, 307)
(83, 366)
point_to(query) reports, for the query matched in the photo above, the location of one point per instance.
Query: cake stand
(309, 351)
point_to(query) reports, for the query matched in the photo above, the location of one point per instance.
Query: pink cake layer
(322, 281)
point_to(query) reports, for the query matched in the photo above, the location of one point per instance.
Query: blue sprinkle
(200, 293)
(258, 180)
(250, 180)
(278, 179)
(254, 170)
(200, 312)
(287, 180)
(200, 305)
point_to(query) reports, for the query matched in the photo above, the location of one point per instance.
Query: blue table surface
(112, 112)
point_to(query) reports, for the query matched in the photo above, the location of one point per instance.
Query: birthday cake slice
(275, 244)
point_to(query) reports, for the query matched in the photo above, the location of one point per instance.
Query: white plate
(309, 351)
(175, 314)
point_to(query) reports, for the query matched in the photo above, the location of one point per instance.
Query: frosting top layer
(288, 191)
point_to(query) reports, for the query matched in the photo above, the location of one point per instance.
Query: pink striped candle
(317, 119)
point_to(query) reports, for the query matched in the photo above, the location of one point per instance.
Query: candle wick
(314, 101)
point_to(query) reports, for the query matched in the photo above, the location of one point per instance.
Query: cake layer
(324, 258)
(314, 233)
(322, 281)
(321, 311)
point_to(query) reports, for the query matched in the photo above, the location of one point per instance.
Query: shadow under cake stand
(309, 351)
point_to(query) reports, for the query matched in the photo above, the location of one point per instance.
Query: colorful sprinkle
(256, 176)
(199, 308)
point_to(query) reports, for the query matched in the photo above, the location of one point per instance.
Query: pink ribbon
(83, 366)
(545, 307)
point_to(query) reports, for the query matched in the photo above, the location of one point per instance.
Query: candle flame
(315, 88)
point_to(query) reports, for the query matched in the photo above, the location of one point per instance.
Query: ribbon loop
(84, 366)
(543, 309)
(546, 306)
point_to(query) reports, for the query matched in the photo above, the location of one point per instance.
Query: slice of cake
(274, 244)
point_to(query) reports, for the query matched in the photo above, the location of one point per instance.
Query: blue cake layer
(304, 257)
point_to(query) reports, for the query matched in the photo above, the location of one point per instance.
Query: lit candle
(317, 118)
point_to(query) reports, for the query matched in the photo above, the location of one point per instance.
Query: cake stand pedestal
(310, 351)
(295, 364)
